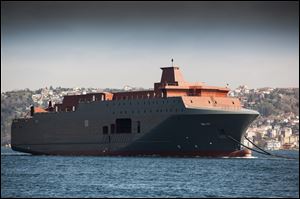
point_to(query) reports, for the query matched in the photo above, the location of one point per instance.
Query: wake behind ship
(176, 118)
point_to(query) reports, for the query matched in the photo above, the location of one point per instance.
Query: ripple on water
(63, 176)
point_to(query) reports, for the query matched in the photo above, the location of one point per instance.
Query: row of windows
(145, 103)
(149, 111)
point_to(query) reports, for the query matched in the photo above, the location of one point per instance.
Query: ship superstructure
(176, 118)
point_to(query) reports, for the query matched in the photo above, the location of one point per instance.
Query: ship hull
(192, 132)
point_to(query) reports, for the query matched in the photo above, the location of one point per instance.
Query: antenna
(172, 62)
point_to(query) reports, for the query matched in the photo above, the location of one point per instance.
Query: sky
(113, 44)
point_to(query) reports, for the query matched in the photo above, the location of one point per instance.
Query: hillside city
(272, 131)
(276, 128)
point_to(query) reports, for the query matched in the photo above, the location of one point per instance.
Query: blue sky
(113, 44)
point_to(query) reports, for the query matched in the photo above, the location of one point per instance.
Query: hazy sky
(113, 44)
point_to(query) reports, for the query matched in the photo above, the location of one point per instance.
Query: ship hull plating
(189, 132)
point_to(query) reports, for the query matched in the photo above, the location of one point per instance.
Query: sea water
(24, 175)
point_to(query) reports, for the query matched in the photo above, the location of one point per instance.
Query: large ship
(176, 118)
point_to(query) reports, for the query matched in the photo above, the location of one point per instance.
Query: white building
(273, 145)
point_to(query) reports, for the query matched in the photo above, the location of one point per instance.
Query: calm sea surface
(62, 176)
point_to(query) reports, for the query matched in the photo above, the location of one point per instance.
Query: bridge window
(123, 125)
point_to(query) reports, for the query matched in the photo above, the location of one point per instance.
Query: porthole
(232, 102)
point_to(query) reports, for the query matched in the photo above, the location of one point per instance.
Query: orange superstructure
(70, 102)
(172, 84)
